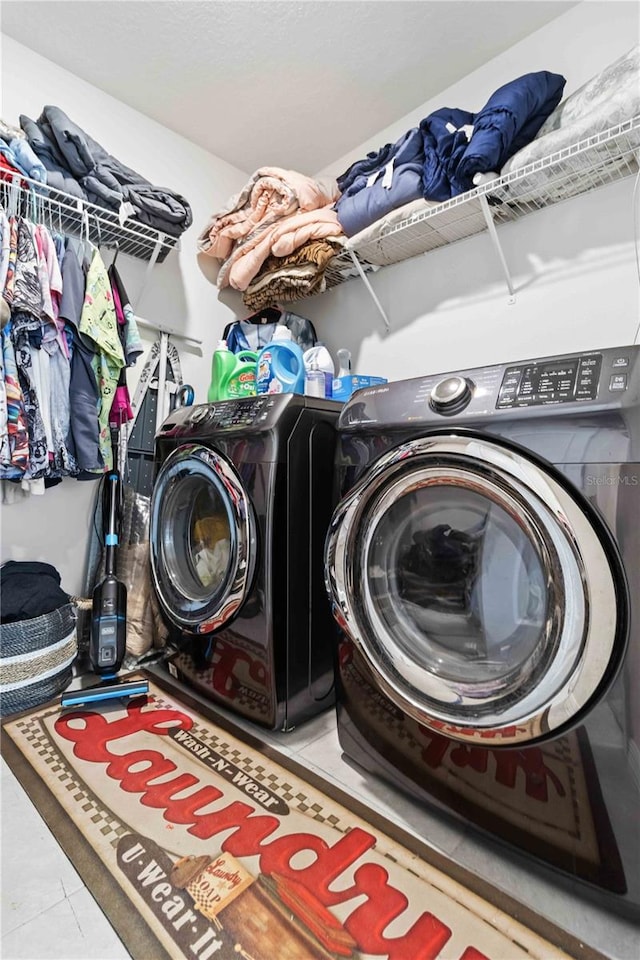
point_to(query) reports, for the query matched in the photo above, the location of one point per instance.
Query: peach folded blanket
(280, 239)
(270, 194)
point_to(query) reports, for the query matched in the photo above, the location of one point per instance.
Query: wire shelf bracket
(371, 291)
(75, 216)
(493, 236)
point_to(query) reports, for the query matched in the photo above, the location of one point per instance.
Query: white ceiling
(302, 83)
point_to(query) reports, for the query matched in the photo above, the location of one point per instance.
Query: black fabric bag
(38, 636)
(29, 589)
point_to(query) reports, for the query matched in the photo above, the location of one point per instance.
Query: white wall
(55, 527)
(573, 264)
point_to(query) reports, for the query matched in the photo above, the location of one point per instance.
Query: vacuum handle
(112, 509)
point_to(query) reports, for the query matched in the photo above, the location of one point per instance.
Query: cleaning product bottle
(344, 362)
(280, 364)
(242, 379)
(342, 381)
(233, 375)
(314, 379)
(318, 358)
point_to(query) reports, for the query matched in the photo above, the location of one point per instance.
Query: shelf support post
(372, 292)
(493, 233)
(162, 410)
(152, 262)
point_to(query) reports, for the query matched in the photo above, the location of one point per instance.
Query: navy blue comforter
(458, 144)
(438, 159)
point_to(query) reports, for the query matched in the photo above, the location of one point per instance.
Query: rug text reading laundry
(138, 771)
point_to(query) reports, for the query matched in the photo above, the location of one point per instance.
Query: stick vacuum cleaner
(107, 645)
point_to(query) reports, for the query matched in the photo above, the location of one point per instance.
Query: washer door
(202, 539)
(484, 596)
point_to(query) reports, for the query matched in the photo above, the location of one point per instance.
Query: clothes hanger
(115, 255)
(268, 315)
(260, 318)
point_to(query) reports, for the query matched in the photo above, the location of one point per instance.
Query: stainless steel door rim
(195, 604)
(562, 670)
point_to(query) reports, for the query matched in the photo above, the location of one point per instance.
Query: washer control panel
(248, 412)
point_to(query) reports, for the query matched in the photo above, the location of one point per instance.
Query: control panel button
(200, 413)
(618, 381)
(619, 362)
(450, 395)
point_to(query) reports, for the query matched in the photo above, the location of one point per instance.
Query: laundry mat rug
(197, 842)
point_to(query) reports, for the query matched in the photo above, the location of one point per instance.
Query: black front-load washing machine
(240, 508)
(483, 564)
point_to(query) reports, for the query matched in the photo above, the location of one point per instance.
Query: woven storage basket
(35, 658)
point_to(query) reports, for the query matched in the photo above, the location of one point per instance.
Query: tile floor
(48, 913)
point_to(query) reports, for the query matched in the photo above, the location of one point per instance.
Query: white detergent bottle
(280, 364)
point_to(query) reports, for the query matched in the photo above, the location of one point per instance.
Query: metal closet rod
(170, 331)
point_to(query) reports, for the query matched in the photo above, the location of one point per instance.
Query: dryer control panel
(551, 381)
(594, 379)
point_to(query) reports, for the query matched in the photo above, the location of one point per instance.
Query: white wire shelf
(584, 166)
(70, 215)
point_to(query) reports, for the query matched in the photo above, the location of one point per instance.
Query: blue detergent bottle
(280, 364)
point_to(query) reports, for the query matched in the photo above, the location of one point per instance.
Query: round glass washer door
(202, 539)
(477, 587)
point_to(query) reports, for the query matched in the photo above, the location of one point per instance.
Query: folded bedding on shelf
(606, 100)
(276, 207)
(19, 154)
(294, 276)
(270, 194)
(382, 181)
(45, 148)
(511, 118)
(458, 144)
(8, 171)
(78, 165)
(279, 239)
(438, 159)
(369, 242)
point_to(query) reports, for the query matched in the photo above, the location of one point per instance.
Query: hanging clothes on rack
(121, 411)
(68, 336)
(14, 439)
(83, 387)
(26, 309)
(99, 323)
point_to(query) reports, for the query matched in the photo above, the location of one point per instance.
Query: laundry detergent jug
(233, 375)
(280, 365)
